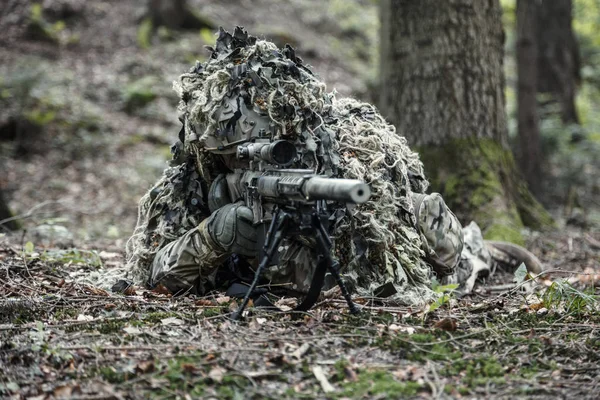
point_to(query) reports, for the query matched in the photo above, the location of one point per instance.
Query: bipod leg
(324, 246)
(275, 234)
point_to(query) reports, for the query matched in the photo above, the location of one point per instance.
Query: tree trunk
(530, 157)
(558, 55)
(443, 88)
(175, 14)
(6, 214)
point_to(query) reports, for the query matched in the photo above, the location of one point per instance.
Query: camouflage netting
(379, 244)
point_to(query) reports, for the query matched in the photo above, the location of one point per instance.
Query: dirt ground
(95, 91)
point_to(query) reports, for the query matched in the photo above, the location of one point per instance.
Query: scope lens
(282, 152)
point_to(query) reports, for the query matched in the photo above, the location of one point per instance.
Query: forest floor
(62, 338)
(86, 119)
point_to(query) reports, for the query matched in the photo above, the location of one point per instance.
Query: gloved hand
(230, 227)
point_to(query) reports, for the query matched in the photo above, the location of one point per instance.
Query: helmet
(248, 91)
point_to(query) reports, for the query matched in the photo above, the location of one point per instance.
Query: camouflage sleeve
(442, 231)
(188, 263)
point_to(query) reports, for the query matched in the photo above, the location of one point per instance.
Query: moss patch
(144, 33)
(139, 93)
(477, 180)
(380, 384)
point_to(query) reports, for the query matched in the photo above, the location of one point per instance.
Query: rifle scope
(279, 152)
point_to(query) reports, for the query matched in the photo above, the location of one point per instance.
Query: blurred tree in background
(6, 215)
(558, 59)
(175, 14)
(529, 155)
(567, 75)
(443, 88)
(547, 64)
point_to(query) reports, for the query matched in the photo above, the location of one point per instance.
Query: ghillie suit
(250, 84)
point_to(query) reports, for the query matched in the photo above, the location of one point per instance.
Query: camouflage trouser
(188, 263)
(191, 262)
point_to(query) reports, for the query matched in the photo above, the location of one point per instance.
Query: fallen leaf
(13, 386)
(446, 324)
(189, 368)
(409, 373)
(216, 374)
(546, 340)
(205, 302)
(253, 325)
(172, 321)
(132, 330)
(233, 306)
(144, 367)
(536, 306)
(222, 299)
(520, 274)
(63, 392)
(556, 374)
(83, 317)
(130, 291)
(161, 289)
(588, 277)
(286, 304)
(158, 383)
(399, 328)
(97, 291)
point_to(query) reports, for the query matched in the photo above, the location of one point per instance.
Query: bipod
(281, 227)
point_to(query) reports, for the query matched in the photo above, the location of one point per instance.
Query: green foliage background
(571, 166)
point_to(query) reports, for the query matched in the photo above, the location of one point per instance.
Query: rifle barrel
(344, 190)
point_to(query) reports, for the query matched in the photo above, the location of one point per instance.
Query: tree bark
(530, 157)
(558, 58)
(6, 214)
(443, 88)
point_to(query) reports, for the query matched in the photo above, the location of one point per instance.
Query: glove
(230, 227)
